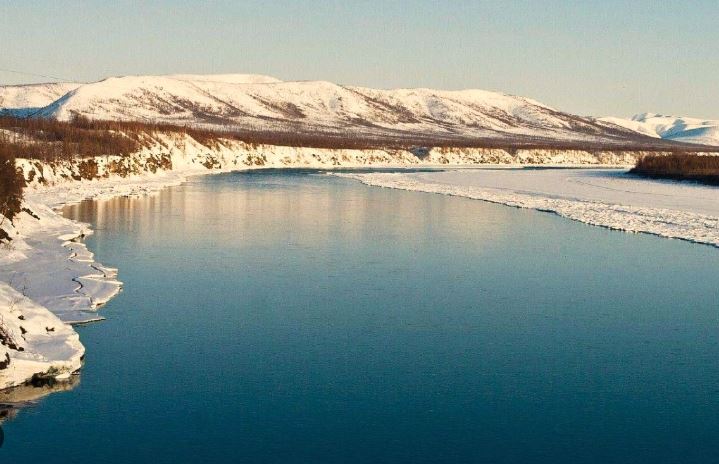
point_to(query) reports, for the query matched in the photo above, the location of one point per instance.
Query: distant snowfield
(33, 96)
(680, 129)
(604, 197)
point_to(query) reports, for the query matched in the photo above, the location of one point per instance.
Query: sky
(588, 57)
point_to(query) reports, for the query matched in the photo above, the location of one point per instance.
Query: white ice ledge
(607, 198)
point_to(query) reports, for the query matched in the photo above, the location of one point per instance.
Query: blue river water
(297, 317)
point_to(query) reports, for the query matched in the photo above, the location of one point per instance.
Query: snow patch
(36, 342)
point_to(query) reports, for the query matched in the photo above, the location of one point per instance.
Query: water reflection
(13, 400)
(206, 211)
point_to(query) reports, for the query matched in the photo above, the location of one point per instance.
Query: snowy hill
(681, 129)
(33, 95)
(265, 104)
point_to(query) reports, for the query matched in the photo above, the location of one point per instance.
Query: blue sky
(590, 57)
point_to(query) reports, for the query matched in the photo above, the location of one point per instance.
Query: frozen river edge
(608, 198)
(50, 281)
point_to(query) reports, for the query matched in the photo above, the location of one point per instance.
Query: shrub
(11, 185)
(680, 166)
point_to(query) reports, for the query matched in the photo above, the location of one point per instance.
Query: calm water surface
(285, 317)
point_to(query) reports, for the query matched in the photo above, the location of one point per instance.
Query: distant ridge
(29, 96)
(259, 103)
(680, 129)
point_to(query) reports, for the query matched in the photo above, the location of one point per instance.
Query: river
(297, 317)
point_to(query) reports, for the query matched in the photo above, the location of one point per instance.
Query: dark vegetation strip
(680, 166)
(11, 186)
(85, 137)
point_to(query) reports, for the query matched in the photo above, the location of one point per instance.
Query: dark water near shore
(283, 317)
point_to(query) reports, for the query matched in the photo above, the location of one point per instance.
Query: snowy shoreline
(49, 280)
(668, 209)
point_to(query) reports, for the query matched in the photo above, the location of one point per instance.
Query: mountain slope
(264, 104)
(33, 95)
(680, 129)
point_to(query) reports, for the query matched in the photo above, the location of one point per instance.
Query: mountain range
(264, 104)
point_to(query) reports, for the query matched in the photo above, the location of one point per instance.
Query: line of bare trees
(680, 166)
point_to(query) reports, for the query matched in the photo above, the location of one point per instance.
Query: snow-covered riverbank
(48, 277)
(49, 280)
(604, 197)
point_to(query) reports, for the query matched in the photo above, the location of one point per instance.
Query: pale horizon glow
(592, 58)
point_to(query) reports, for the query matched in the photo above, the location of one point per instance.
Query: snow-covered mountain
(681, 129)
(264, 104)
(30, 96)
